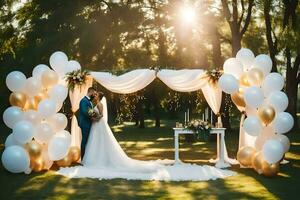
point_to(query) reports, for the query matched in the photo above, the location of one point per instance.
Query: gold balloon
(49, 78)
(74, 153)
(266, 114)
(31, 104)
(37, 165)
(238, 98)
(17, 99)
(244, 156)
(257, 161)
(243, 80)
(270, 170)
(41, 96)
(65, 162)
(34, 149)
(255, 76)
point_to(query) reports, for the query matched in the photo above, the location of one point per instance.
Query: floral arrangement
(213, 75)
(77, 77)
(94, 115)
(200, 128)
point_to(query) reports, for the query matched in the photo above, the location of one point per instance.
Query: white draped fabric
(126, 83)
(75, 96)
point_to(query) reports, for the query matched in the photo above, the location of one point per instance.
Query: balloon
(17, 99)
(243, 80)
(31, 104)
(273, 151)
(39, 70)
(58, 107)
(10, 141)
(270, 170)
(266, 114)
(65, 135)
(58, 61)
(283, 122)
(272, 82)
(263, 62)
(254, 96)
(246, 57)
(234, 67)
(285, 142)
(33, 117)
(74, 153)
(15, 81)
(255, 76)
(12, 115)
(47, 108)
(64, 162)
(71, 66)
(58, 148)
(34, 149)
(250, 111)
(244, 156)
(58, 93)
(23, 131)
(252, 126)
(228, 83)
(278, 100)
(37, 165)
(47, 162)
(15, 159)
(41, 96)
(49, 78)
(58, 121)
(266, 134)
(43, 134)
(238, 98)
(257, 162)
(32, 87)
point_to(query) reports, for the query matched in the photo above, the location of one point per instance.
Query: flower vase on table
(200, 128)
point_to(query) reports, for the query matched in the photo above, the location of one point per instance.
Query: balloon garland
(257, 92)
(38, 137)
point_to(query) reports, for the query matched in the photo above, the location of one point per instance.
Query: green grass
(152, 143)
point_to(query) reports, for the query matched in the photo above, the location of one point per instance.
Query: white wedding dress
(105, 159)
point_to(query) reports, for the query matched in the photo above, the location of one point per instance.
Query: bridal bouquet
(200, 128)
(94, 115)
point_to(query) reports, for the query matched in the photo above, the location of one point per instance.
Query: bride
(105, 159)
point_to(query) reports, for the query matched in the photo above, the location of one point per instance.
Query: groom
(85, 119)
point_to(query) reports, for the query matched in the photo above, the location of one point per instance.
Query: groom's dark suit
(85, 122)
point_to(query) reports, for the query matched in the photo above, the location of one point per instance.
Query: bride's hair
(100, 95)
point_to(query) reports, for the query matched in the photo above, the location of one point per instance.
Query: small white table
(221, 148)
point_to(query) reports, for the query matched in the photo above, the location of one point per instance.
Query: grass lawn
(152, 143)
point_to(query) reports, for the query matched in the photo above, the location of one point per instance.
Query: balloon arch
(38, 137)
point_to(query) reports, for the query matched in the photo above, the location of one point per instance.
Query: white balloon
(278, 100)
(12, 115)
(43, 134)
(58, 148)
(254, 96)
(272, 82)
(39, 70)
(32, 116)
(64, 134)
(228, 83)
(266, 134)
(263, 62)
(284, 140)
(15, 81)
(23, 131)
(15, 159)
(246, 57)
(33, 86)
(72, 65)
(47, 108)
(58, 62)
(10, 141)
(58, 93)
(252, 125)
(272, 151)
(283, 122)
(234, 67)
(58, 121)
